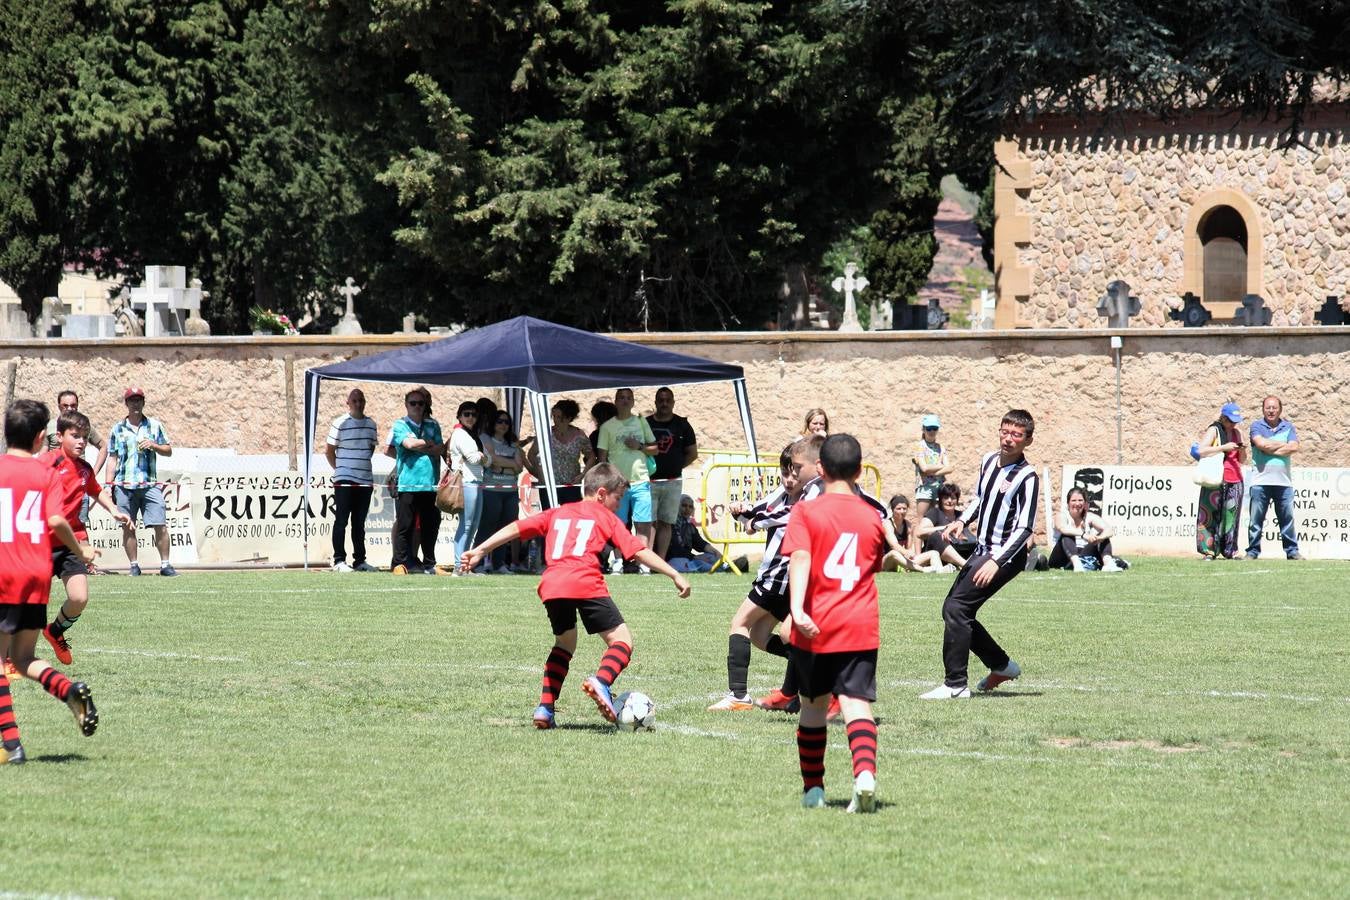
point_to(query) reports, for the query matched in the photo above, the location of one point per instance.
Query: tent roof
(525, 352)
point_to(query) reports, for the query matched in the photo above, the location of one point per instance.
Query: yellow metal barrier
(726, 484)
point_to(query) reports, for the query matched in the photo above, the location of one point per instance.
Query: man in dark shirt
(676, 447)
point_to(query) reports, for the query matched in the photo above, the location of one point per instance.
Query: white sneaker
(341, 567)
(995, 678)
(616, 566)
(1111, 566)
(1077, 564)
(643, 569)
(942, 692)
(947, 569)
(864, 793)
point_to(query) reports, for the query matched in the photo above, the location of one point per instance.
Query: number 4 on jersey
(28, 521)
(842, 563)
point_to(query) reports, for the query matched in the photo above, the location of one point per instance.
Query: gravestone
(849, 284)
(1333, 312)
(89, 326)
(410, 324)
(1254, 311)
(1191, 314)
(165, 297)
(349, 325)
(52, 317)
(1116, 305)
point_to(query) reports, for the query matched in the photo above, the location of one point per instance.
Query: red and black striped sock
(54, 683)
(615, 660)
(811, 756)
(862, 742)
(9, 726)
(555, 672)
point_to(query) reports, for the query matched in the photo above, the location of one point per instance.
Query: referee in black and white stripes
(1004, 509)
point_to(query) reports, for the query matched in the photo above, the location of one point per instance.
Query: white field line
(1107, 689)
(1164, 606)
(157, 654)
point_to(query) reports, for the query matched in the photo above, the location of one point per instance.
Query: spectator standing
(69, 401)
(352, 440)
(627, 442)
(1274, 439)
(418, 446)
(1219, 512)
(676, 448)
(601, 412)
(930, 465)
(501, 500)
(571, 451)
(467, 457)
(816, 422)
(134, 448)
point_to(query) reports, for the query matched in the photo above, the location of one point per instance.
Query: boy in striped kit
(834, 546)
(1005, 510)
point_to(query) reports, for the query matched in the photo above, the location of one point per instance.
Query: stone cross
(1254, 310)
(1333, 312)
(165, 296)
(349, 324)
(410, 324)
(1116, 305)
(848, 284)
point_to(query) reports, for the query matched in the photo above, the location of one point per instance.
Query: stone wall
(246, 393)
(1080, 205)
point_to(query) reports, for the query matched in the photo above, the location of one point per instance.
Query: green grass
(1180, 729)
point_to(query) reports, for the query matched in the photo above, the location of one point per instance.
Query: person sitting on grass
(931, 528)
(1084, 543)
(74, 481)
(903, 556)
(688, 551)
(572, 584)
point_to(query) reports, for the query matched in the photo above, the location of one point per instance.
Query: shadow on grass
(843, 804)
(1000, 695)
(588, 726)
(59, 758)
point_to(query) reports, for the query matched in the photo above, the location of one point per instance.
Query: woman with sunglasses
(500, 485)
(468, 456)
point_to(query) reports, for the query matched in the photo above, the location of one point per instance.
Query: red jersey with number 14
(573, 534)
(844, 536)
(74, 479)
(28, 497)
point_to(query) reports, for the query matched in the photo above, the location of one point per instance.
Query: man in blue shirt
(417, 439)
(1273, 440)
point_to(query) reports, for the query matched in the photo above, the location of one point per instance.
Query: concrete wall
(246, 392)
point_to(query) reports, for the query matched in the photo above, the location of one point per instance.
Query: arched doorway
(1223, 240)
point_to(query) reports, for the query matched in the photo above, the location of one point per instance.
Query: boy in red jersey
(835, 544)
(29, 516)
(572, 583)
(75, 480)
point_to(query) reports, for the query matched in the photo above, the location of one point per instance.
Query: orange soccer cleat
(60, 646)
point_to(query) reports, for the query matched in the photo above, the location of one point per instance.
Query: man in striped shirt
(1004, 510)
(351, 444)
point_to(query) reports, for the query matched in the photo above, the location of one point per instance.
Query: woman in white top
(1084, 538)
(501, 502)
(467, 456)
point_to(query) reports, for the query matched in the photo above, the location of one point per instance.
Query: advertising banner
(1152, 509)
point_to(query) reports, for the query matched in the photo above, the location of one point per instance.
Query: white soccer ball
(635, 711)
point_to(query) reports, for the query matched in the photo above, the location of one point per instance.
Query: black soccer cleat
(15, 757)
(81, 703)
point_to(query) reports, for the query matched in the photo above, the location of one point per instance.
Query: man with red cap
(134, 447)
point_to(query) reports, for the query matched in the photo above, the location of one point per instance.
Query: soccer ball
(636, 711)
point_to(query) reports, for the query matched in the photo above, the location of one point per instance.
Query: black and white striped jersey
(770, 516)
(1004, 506)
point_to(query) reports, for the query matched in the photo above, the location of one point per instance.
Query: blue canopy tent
(530, 359)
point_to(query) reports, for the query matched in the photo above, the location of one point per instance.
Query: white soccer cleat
(943, 692)
(995, 678)
(814, 798)
(864, 793)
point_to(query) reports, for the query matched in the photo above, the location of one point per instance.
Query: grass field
(1180, 729)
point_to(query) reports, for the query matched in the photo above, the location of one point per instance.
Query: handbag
(450, 492)
(1208, 471)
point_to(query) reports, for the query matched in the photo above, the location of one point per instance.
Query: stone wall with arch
(1079, 204)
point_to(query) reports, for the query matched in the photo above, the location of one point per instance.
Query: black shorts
(597, 614)
(65, 564)
(773, 603)
(852, 673)
(15, 617)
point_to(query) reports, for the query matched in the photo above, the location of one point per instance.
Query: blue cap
(1231, 412)
(931, 421)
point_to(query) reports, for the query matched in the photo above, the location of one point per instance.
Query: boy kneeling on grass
(29, 517)
(834, 546)
(572, 583)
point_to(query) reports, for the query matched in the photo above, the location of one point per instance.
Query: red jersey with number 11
(573, 534)
(28, 497)
(845, 538)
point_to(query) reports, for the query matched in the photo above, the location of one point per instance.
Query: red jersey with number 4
(28, 497)
(844, 536)
(74, 479)
(573, 534)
